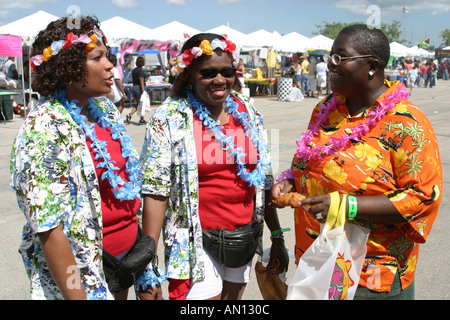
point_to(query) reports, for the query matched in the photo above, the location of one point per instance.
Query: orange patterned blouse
(398, 157)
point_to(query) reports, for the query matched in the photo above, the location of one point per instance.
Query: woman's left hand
(278, 251)
(318, 206)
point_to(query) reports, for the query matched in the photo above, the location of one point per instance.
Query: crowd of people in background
(310, 75)
(423, 73)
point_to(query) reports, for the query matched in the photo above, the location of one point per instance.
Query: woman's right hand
(281, 187)
(151, 293)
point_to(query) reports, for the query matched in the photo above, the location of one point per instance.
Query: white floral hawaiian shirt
(54, 178)
(169, 162)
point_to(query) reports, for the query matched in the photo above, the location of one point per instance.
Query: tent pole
(23, 82)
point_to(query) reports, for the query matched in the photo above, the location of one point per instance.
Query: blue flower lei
(122, 190)
(150, 278)
(256, 177)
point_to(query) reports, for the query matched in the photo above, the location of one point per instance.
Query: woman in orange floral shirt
(368, 141)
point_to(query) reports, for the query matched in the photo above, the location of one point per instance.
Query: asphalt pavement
(284, 121)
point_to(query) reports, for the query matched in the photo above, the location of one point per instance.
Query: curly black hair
(68, 65)
(182, 82)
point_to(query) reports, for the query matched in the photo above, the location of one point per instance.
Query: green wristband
(279, 231)
(352, 207)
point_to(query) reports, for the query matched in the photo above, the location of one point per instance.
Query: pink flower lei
(307, 150)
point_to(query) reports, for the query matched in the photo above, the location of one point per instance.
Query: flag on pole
(425, 43)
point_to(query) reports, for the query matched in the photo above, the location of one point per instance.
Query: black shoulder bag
(122, 274)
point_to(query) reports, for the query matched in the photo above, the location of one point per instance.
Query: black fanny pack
(232, 249)
(122, 274)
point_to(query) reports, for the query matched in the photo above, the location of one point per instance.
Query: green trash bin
(7, 106)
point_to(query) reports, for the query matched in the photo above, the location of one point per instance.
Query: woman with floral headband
(74, 169)
(206, 171)
(379, 151)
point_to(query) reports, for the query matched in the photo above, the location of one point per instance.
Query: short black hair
(113, 59)
(369, 40)
(140, 61)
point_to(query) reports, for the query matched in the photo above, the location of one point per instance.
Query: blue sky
(424, 18)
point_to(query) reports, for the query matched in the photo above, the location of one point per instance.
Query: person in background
(11, 70)
(139, 78)
(367, 141)
(312, 76)
(445, 69)
(304, 63)
(206, 169)
(240, 71)
(413, 74)
(433, 69)
(425, 72)
(73, 168)
(172, 70)
(297, 75)
(119, 95)
(321, 70)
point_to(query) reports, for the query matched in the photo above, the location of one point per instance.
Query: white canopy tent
(398, 50)
(292, 42)
(118, 28)
(234, 35)
(277, 38)
(174, 31)
(259, 39)
(29, 26)
(419, 52)
(320, 42)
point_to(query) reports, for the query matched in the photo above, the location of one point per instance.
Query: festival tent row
(118, 29)
(131, 37)
(290, 43)
(398, 50)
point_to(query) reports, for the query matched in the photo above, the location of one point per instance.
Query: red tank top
(225, 200)
(119, 217)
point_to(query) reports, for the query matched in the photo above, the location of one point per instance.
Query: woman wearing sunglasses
(206, 173)
(369, 143)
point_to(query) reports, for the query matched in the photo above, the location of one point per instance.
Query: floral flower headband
(207, 48)
(90, 40)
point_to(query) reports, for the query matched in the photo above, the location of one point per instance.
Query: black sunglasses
(211, 73)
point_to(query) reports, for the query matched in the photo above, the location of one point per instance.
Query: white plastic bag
(330, 268)
(295, 95)
(144, 104)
